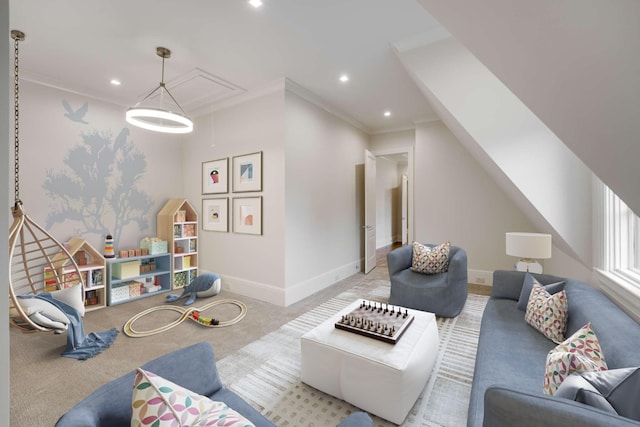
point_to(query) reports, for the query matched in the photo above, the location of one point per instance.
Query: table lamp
(529, 247)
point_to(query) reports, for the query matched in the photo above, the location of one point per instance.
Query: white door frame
(369, 234)
(410, 173)
(404, 210)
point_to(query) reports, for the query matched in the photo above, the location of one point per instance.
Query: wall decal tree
(99, 187)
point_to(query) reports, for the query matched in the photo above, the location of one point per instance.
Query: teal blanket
(80, 345)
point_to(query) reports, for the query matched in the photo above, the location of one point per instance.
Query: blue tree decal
(100, 186)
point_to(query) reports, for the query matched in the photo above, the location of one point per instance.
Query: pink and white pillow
(548, 313)
(158, 402)
(429, 260)
(580, 352)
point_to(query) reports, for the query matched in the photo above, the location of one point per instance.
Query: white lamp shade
(529, 245)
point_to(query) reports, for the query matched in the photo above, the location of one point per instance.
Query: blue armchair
(443, 294)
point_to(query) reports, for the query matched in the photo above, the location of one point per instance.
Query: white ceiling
(221, 48)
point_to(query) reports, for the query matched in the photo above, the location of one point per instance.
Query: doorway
(392, 198)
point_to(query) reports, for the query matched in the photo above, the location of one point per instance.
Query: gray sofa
(110, 405)
(443, 294)
(511, 358)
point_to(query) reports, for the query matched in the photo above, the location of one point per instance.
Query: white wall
(456, 200)
(324, 197)
(50, 143)
(389, 142)
(4, 215)
(311, 196)
(248, 264)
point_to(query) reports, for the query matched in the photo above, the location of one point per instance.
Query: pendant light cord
(17, 37)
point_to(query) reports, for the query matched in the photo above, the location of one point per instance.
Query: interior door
(369, 211)
(405, 210)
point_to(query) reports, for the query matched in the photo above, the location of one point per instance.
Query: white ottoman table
(381, 378)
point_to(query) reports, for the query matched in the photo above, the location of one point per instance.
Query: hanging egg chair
(37, 261)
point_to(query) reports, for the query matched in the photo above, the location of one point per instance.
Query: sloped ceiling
(543, 177)
(574, 63)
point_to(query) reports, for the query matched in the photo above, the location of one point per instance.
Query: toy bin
(124, 270)
(154, 246)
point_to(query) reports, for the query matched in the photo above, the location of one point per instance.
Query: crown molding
(295, 88)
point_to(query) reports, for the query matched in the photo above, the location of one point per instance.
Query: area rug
(266, 373)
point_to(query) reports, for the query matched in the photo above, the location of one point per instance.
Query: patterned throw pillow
(580, 352)
(428, 260)
(548, 313)
(527, 285)
(158, 402)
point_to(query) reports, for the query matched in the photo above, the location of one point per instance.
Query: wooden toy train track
(185, 313)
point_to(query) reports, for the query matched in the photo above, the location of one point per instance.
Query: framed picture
(247, 215)
(247, 172)
(215, 214)
(215, 176)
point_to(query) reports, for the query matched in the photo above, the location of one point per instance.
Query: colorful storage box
(135, 288)
(189, 230)
(121, 293)
(150, 288)
(181, 216)
(124, 270)
(154, 246)
(180, 279)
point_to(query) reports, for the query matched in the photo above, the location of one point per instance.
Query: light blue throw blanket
(79, 345)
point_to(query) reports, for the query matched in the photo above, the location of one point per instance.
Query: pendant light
(165, 115)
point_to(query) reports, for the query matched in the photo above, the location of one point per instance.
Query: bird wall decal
(75, 115)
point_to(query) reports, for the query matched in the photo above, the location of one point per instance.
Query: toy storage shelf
(177, 223)
(91, 265)
(132, 278)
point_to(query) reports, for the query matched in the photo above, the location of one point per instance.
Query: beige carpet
(45, 385)
(267, 372)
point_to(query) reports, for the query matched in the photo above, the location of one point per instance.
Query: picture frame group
(245, 173)
(246, 214)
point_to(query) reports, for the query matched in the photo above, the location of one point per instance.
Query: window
(618, 239)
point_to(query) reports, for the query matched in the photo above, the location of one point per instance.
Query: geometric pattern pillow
(527, 285)
(548, 313)
(158, 402)
(580, 352)
(428, 260)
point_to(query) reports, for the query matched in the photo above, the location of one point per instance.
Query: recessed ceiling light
(115, 82)
(255, 3)
(387, 113)
(344, 78)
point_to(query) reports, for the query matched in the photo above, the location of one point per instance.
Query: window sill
(622, 290)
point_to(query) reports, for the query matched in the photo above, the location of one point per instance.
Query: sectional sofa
(507, 388)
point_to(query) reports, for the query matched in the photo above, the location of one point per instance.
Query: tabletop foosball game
(376, 320)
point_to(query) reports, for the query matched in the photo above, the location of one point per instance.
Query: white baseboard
(480, 277)
(310, 286)
(259, 291)
(292, 294)
(384, 243)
